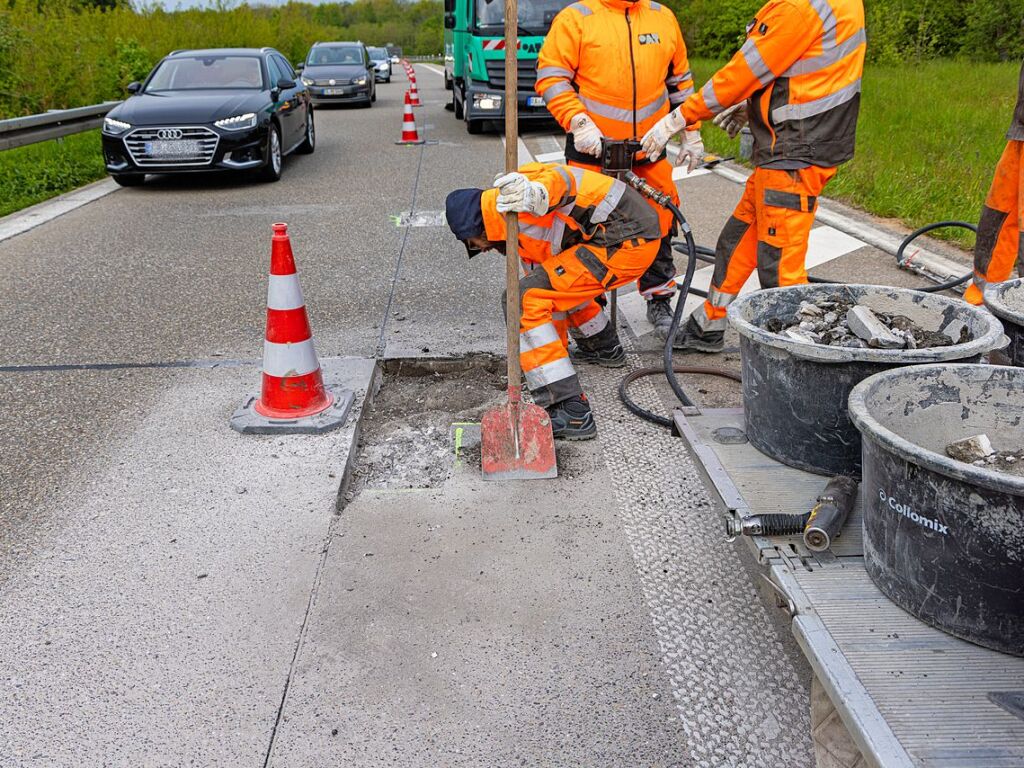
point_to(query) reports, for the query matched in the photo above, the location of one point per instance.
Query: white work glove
(692, 153)
(518, 194)
(586, 136)
(733, 119)
(654, 140)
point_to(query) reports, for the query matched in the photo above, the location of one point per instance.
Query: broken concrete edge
(441, 365)
(364, 402)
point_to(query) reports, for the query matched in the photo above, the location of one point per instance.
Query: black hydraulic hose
(640, 373)
(705, 254)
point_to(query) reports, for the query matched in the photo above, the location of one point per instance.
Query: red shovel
(516, 440)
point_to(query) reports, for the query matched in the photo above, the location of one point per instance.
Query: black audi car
(338, 73)
(231, 109)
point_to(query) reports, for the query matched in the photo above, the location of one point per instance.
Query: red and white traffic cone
(293, 397)
(414, 93)
(409, 133)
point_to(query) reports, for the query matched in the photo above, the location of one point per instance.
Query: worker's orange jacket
(623, 63)
(801, 68)
(584, 207)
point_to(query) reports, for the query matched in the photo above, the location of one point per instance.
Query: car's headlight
(360, 81)
(238, 122)
(487, 101)
(114, 127)
(308, 81)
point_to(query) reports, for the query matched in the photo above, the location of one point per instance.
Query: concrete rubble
(978, 450)
(842, 323)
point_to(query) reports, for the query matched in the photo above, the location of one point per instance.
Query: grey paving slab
(151, 618)
(493, 624)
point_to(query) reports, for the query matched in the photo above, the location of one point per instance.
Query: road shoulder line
(22, 221)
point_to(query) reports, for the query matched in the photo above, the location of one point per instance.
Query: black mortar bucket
(943, 539)
(795, 394)
(1006, 301)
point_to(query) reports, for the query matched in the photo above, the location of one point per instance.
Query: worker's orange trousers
(557, 297)
(1001, 227)
(656, 282)
(768, 231)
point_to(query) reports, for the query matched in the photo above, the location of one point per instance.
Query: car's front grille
(172, 147)
(527, 73)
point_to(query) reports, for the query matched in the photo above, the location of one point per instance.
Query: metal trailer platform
(909, 694)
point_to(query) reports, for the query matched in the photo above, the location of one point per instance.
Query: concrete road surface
(174, 593)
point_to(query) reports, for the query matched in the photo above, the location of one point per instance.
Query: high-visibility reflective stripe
(655, 6)
(581, 307)
(538, 337)
(624, 115)
(543, 72)
(577, 173)
(558, 316)
(719, 298)
(604, 209)
(676, 97)
(284, 292)
(593, 326)
(710, 99)
(674, 80)
(687, 92)
(828, 21)
(570, 191)
(757, 65)
(557, 89)
(818, 106)
(667, 288)
(829, 57)
(549, 373)
(581, 8)
(295, 359)
(552, 235)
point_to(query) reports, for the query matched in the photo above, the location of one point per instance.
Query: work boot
(659, 314)
(611, 357)
(572, 419)
(693, 338)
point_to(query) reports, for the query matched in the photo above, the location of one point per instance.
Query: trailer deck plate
(909, 694)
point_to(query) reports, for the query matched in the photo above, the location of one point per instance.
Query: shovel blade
(499, 429)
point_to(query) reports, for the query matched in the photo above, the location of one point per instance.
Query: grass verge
(928, 140)
(29, 175)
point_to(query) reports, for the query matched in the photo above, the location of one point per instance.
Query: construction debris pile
(844, 323)
(978, 450)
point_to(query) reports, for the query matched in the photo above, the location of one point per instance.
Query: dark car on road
(381, 63)
(210, 110)
(340, 73)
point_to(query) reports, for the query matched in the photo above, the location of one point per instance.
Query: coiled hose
(697, 253)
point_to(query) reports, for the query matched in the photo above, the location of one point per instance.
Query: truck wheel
(448, 86)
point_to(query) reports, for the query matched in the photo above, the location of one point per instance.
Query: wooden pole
(512, 308)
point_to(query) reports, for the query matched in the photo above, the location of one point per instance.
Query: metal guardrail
(32, 129)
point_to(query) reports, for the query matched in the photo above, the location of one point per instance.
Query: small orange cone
(293, 397)
(409, 133)
(414, 93)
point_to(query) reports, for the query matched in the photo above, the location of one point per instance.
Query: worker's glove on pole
(692, 152)
(586, 136)
(733, 119)
(654, 140)
(517, 194)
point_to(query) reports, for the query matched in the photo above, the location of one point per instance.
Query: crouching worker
(580, 234)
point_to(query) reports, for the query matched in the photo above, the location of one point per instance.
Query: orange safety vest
(623, 63)
(585, 206)
(801, 68)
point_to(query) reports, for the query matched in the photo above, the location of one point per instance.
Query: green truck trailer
(474, 57)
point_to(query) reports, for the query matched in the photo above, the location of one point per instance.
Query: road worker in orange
(580, 234)
(1000, 240)
(797, 80)
(613, 68)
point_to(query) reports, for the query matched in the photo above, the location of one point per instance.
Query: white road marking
(24, 220)
(551, 157)
(825, 244)
(432, 68)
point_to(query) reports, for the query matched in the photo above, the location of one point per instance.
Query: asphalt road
(176, 594)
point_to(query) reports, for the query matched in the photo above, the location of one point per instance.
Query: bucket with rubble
(797, 380)
(1006, 301)
(943, 490)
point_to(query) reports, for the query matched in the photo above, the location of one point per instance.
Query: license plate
(535, 101)
(334, 91)
(173, 148)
